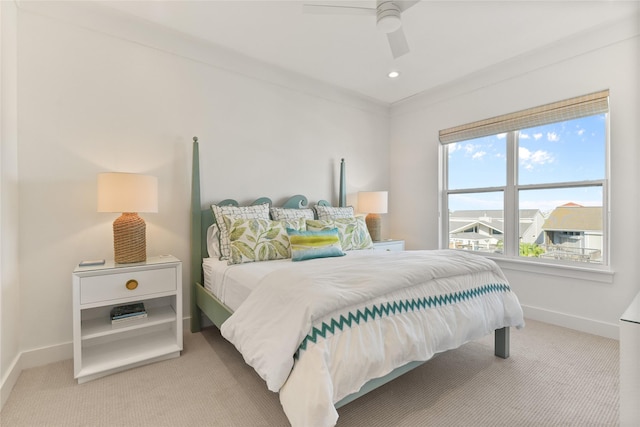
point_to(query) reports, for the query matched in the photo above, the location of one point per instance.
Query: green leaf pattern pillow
(353, 231)
(236, 212)
(252, 240)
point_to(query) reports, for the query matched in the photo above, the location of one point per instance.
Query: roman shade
(569, 109)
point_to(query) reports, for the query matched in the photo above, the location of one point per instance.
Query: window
(531, 184)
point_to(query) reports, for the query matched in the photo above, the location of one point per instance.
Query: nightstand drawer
(124, 285)
(389, 245)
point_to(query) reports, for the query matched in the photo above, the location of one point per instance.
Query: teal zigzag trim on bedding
(396, 307)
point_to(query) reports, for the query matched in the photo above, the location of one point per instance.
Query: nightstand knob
(132, 284)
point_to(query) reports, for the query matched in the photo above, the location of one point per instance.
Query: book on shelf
(128, 312)
(128, 318)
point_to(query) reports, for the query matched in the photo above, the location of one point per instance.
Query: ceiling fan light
(389, 22)
(388, 16)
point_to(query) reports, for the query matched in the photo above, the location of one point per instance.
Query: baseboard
(582, 324)
(31, 359)
(46, 355)
(186, 323)
(9, 380)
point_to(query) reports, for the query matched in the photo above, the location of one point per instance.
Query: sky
(568, 151)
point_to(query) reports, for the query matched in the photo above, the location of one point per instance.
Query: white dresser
(630, 365)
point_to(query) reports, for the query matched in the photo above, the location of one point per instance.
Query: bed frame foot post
(196, 314)
(502, 343)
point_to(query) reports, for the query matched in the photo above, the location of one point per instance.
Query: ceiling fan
(388, 17)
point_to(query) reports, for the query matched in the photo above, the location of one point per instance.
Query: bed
(326, 330)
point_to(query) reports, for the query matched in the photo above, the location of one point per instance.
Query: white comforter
(319, 329)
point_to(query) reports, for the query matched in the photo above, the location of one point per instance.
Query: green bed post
(342, 202)
(502, 342)
(196, 237)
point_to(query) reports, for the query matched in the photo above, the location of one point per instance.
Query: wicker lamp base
(374, 222)
(129, 239)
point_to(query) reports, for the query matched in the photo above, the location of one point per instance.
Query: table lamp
(374, 203)
(128, 193)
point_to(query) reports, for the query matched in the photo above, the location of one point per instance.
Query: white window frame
(511, 124)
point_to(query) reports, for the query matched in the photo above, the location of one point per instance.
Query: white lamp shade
(373, 201)
(127, 192)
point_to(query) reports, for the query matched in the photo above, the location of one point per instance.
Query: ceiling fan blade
(398, 43)
(336, 8)
(405, 4)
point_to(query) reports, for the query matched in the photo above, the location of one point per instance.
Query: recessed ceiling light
(393, 74)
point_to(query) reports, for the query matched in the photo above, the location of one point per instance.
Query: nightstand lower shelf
(104, 358)
(102, 326)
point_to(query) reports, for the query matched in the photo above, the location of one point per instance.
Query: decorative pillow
(330, 212)
(213, 242)
(299, 224)
(278, 214)
(353, 231)
(235, 212)
(252, 240)
(314, 244)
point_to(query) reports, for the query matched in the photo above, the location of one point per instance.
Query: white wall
(606, 58)
(99, 92)
(9, 285)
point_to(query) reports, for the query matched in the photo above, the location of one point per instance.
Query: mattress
(232, 284)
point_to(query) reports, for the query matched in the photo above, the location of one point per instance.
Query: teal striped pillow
(314, 244)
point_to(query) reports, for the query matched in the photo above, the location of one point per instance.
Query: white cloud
(553, 137)
(501, 135)
(524, 135)
(478, 155)
(537, 136)
(580, 132)
(530, 159)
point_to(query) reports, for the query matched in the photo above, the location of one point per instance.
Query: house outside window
(531, 185)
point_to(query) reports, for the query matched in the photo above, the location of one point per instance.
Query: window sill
(601, 275)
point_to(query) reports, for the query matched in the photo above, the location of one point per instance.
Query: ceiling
(448, 39)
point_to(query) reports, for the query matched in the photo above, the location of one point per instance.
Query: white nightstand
(389, 245)
(100, 348)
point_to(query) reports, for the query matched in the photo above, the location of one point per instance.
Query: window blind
(581, 106)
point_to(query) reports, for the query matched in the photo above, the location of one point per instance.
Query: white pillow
(330, 212)
(213, 244)
(279, 214)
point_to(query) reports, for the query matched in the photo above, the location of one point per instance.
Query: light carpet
(554, 377)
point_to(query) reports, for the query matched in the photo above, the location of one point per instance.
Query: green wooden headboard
(202, 219)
